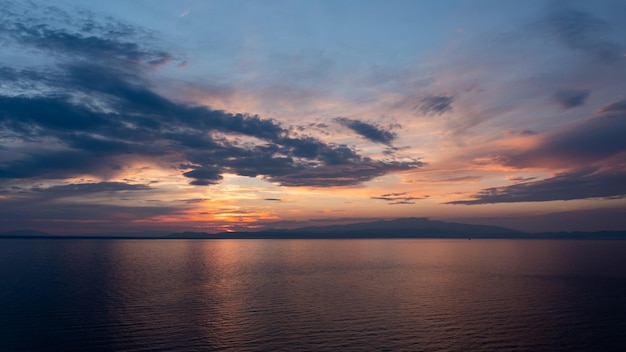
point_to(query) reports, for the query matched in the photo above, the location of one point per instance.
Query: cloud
(204, 176)
(346, 174)
(107, 40)
(76, 189)
(578, 184)
(368, 131)
(435, 104)
(618, 107)
(88, 115)
(582, 31)
(116, 217)
(58, 165)
(597, 143)
(40, 194)
(612, 219)
(464, 179)
(398, 198)
(520, 179)
(571, 98)
(521, 132)
(590, 141)
(79, 203)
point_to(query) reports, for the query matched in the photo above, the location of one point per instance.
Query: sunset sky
(123, 116)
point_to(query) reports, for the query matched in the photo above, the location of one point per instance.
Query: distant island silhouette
(381, 229)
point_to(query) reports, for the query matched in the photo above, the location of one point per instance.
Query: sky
(129, 116)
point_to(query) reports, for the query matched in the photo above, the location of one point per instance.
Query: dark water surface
(312, 295)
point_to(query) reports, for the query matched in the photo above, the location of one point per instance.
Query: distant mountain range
(398, 228)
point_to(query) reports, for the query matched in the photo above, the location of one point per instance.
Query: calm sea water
(312, 295)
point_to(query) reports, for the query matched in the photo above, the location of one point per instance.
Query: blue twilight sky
(230, 115)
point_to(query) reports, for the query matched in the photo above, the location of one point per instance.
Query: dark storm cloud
(435, 104)
(582, 31)
(579, 184)
(398, 198)
(368, 131)
(90, 115)
(571, 98)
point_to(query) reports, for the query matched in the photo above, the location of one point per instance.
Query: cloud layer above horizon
(104, 122)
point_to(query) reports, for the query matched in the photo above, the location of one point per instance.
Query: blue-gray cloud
(81, 38)
(571, 98)
(368, 131)
(591, 141)
(44, 215)
(617, 107)
(40, 207)
(597, 143)
(203, 176)
(582, 31)
(92, 112)
(435, 104)
(77, 189)
(578, 184)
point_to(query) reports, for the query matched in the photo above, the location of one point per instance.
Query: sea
(312, 295)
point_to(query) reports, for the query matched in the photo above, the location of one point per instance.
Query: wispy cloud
(371, 132)
(578, 184)
(617, 107)
(582, 31)
(398, 198)
(97, 40)
(571, 98)
(590, 141)
(435, 104)
(75, 204)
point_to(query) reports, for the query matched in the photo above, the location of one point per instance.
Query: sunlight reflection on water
(291, 295)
